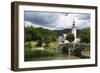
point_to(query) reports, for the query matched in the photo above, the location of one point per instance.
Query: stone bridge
(73, 48)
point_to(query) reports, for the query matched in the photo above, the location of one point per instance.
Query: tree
(28, 37)
(47, 40)
(39, 43)
(39, 34)
(70, 37)
(28, 34)
(85, 35)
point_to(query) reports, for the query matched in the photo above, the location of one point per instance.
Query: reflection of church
(62, 39)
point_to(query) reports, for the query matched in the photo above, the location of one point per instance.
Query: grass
(32, 45)
(51, 46)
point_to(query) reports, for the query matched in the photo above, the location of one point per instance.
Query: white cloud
(67, 21)
(28, 24)
(58, 21)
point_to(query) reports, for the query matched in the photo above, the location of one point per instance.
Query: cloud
(84, 16)
(81, 21)
(57, 21)
(42, 18)
(28, 24)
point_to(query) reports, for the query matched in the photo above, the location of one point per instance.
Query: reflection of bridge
(73, 48)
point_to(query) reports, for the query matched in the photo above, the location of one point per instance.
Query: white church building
(62, 39)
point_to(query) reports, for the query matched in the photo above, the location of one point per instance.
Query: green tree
(70, 37)
(28, 34)
(28, 37)
(85, 35)
(47, 40)
(39, 43)
(39, 34)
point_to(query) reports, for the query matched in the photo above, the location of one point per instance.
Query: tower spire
(73, 23)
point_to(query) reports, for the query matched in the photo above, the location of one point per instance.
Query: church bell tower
(74, 30)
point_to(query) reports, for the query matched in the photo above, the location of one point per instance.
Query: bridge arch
(76, 50)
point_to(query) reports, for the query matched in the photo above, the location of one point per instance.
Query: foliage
(39, 43)
(85, 35)
(39, 34)
(51, 46)
(31, 44)
(70, 37)
(46, 46)
(28, 45)
(28, 37)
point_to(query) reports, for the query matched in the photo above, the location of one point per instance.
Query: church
(62, 39)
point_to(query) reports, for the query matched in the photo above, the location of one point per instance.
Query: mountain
(66, 31)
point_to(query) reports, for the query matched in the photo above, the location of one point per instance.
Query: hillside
(66, 31)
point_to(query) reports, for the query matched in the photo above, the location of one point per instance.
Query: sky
(56, 20)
